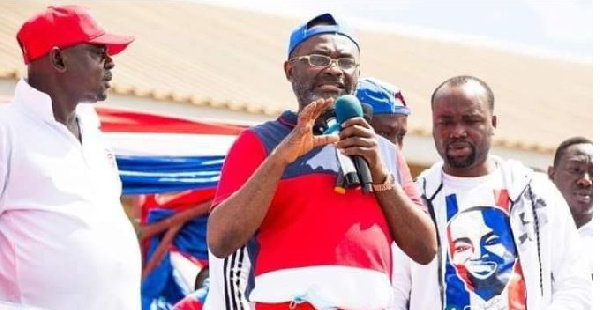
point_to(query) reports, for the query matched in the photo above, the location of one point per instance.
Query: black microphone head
(324, 122)
(346, 107)
(367, 112)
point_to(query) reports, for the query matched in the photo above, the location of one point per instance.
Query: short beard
(305, 94)
(102, 97)
(462, 164)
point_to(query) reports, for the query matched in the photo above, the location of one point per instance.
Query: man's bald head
(478, 85)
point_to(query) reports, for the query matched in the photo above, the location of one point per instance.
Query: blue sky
(561, 28)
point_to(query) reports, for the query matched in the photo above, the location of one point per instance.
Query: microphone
(326, 123)
(367, 112)
(346, 107)
(348, 176)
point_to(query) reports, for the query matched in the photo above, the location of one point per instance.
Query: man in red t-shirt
(310, 246)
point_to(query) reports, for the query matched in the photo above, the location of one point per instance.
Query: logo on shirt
(110, 156)
(482, 267)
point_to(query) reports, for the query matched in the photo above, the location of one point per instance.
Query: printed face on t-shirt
(482, 250)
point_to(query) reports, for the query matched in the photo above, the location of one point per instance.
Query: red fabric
(318, 228)
(308, 224)
(283, 306)
(516, 289)
(239, 165)
(502, 200)
(64, 26)
(132, 121)
(177, 202)
(184, 200)
(188, 303)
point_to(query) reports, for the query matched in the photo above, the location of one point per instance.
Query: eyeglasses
(316, 60)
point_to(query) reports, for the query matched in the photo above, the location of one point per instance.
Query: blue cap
(303, 32)
(384, 97)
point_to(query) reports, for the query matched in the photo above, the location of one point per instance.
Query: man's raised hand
(301, 140)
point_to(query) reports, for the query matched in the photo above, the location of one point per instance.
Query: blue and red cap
(383, 97)
(330, 25)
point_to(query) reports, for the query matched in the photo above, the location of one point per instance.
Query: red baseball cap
(64, 26)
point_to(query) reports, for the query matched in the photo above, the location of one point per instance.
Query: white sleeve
(237, 270)
(572, 287)
(401, 279)
(4, 156)
(228, 281)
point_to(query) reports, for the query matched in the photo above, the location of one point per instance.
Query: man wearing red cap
(66, 241)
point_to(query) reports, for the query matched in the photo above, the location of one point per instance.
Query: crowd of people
(474, 231)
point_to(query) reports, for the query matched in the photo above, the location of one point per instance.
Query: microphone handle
(364, 174)
(351, 177)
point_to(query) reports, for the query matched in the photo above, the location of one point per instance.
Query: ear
(57, 60)
(287, 68)
(551, 172)
(493, 124)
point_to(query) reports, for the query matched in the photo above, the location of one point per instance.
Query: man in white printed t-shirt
(65, 240)
(506, 240)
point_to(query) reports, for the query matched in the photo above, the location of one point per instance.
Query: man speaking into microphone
(312, 247)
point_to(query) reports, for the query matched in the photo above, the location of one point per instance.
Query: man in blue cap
(390, 114)
(390, 111)
(309, 246)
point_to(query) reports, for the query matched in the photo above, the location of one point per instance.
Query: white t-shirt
(65, 240)
(586, 233)
(482, 270)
